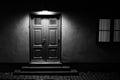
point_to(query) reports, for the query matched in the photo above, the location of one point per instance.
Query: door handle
(43, 42)
(58, 40)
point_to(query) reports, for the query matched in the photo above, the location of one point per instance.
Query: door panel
(37, 32)
(52, 36)
(37, 53)
(37, 21)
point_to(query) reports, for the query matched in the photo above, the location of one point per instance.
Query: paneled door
(45, 39)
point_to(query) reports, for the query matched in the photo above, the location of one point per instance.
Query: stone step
(71, 72)
(45, 68)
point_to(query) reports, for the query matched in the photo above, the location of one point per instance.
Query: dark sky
(57, 4)
(99, 7)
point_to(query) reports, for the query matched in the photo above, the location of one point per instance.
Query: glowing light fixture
(45, 12)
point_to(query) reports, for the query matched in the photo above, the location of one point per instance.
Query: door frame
(33, 15)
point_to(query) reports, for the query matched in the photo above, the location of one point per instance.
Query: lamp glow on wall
(45, 12)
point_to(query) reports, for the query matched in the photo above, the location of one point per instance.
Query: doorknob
(43, 42)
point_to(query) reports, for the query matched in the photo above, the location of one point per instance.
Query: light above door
(45, 12)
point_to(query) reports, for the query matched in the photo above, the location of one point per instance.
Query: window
(117, 30)
(104, 30)
(37, 21)
(53, 21)
(109, 30)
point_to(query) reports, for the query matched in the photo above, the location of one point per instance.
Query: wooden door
(45, 39)
(53, 39)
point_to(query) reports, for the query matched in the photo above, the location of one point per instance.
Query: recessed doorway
(45, 38)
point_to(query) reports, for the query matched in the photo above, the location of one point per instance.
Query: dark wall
(79, 35)
(78, 38)
(14, 37)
